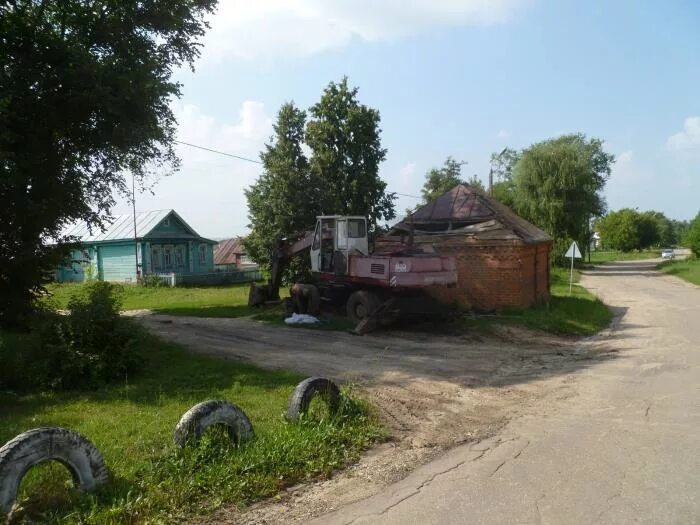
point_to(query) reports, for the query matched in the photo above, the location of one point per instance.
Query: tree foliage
(692, 236)
(558, 185)
(629, 229)
(441, 180)
(344, 137)
(341, 176)
(284, 200)
(84, 97)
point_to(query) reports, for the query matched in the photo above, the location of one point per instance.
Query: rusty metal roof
(225, 252)
(454, 211)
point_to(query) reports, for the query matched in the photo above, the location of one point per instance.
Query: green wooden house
(164, 244)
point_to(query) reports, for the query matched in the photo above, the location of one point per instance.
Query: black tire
(360, 305)
(30, 448)
(195, 422)
(309, 388)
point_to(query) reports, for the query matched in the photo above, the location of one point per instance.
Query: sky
(450, 77)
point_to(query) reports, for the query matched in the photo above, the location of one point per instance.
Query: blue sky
(450, 77)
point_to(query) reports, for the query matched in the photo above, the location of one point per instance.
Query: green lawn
(132, 424)
(688, 269)
(215, 301)
(608, 256)
(578, 313)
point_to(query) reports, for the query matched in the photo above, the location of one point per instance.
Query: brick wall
(493, 276)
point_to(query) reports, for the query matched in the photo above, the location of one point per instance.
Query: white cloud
(298, 28)
(503, 134)
(208, 189)
(688, 139)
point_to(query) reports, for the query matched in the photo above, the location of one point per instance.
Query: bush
(86, 348)
(152, 281)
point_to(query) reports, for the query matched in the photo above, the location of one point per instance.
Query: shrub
(86, 348)
(152, 281)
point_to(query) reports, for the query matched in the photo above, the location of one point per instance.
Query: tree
(475, 182)
(344, 137)
(558, 186)
(692, 236)
(84, 99)
(441, 180)
(502, 165)
(284, 200)
(619, 230)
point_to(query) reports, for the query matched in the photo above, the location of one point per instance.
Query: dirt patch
(432, 391)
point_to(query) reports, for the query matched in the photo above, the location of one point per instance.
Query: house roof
(121, 227)
(225, 251)
(466, 210)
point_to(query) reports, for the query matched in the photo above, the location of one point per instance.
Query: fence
(209, 279)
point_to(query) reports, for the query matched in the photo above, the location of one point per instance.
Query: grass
(152, 480)
(580, 313)
(214, 301)
(688, 269)
(598, 257)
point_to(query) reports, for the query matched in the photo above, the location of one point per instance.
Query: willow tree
(559, 186)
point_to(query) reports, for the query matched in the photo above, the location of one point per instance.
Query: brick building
(502, 260)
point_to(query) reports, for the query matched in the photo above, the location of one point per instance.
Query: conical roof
(462, 209)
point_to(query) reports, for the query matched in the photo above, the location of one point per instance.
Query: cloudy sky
(450, 77)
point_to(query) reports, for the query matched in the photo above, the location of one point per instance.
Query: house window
(155, 257)
(179, 256)
(168, 258)
(166, 221)
(202, 253)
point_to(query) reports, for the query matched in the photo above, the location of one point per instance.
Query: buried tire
(195, 422)
(30, 448)
(308, 389)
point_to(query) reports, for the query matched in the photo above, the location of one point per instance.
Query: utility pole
(133, 207)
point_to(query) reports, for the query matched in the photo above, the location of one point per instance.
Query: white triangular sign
(573, 251)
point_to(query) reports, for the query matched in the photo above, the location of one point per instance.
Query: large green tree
(441, 180)
(559, 185)
(284, 200)
(692, 236)
(85, 89)
(344, 137)
(620, 230)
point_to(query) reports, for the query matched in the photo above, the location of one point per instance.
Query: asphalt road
(625, 448)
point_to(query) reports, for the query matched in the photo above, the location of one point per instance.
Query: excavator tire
(361, 305)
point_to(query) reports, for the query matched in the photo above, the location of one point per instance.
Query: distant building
(230, 254)
(164, 244)
(502, 260)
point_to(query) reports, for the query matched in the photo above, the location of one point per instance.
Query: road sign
(573, 251)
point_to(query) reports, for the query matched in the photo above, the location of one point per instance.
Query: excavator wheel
(361, 304)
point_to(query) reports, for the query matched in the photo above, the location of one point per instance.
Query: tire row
(86, 464)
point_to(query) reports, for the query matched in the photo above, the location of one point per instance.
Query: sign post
(574, 253)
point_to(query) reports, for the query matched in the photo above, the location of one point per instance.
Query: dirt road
(434, 392)
(622, 447)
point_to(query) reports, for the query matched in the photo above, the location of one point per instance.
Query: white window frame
(202, 254)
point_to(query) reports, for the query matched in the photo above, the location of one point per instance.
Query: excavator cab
(336, 237)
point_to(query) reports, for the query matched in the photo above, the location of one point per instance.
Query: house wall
(493, 277)
(117, 262)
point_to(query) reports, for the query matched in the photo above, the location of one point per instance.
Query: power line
(219, 152)
(258, 162)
